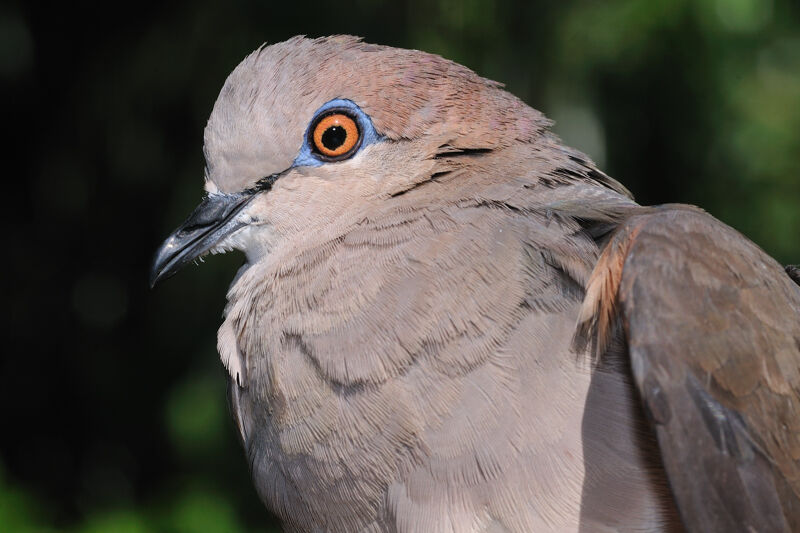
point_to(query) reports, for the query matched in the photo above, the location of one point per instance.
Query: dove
(449, 321)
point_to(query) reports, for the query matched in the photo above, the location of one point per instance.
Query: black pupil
(334, 137)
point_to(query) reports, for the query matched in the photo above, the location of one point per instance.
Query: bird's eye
(335, 136)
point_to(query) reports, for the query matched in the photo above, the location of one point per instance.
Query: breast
(440, 396)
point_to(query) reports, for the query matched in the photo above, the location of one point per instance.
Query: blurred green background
(113, 405)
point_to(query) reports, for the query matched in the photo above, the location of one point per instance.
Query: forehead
(257, 124)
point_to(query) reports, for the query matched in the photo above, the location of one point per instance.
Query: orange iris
(335, 135)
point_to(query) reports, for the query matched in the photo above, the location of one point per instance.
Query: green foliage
(196, 417)
(19, 511)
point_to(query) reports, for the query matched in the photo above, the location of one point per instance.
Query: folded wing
(713, 328)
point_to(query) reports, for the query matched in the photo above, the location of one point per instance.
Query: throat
(254, 240)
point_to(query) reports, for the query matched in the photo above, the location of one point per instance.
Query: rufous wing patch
(597, 319)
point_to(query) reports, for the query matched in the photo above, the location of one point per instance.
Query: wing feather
(713, 330)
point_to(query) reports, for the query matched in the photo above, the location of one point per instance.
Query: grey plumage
(435, 333)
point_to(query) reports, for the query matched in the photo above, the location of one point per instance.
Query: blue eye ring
(310, 156)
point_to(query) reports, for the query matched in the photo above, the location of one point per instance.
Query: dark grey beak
(213, 220)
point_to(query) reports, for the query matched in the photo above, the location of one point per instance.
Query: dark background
(112, 395)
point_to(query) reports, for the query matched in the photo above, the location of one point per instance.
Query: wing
(713, 329)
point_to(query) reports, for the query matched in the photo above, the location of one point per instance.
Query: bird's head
(309, 136)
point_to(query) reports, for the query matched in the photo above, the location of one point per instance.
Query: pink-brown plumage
(402, 341)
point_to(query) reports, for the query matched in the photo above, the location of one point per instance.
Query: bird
(447, 320)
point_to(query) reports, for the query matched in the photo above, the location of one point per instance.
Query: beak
(208, 225)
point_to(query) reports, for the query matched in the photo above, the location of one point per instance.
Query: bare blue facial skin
(307, 157)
